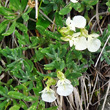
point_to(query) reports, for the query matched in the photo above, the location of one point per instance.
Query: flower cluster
(81, 40)
(64, 88)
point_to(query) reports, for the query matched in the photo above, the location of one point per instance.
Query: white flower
(65, 87)
(48, 95)
(93, 43)
(80, 42)
(74, 1)
(79, 21)
(70, 24)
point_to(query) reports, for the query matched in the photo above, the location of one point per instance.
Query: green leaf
(39, 86)
(11, 29)
(58, 20)
(50, 66)
(66, 9)
(107, 59)
(52, 108)
(23, 4)
(22, 39)
(77, 54)
(34, 41)
(47, 33)
(72, 75)
(5, 11)
(17, 95)
(77, 6)
(10, 17)
(25, 16)
(33, 106)
(41, 105)
(43, 75)
(15, 5)
(28, 64)
(45, 50)
(3, 91)
(52, 74)
(5, 51)
(23, 105)
(15, 107)
(75, 82)
(62, 65)
(3, 25)
(2, 98)
(43, 22)
(2, 104)
(10, 81)
(47, 8)
(69, 59)
(38, 55)
(76, 75)
(21, 27)
(8, 104)
(91, 2)
(0, 69)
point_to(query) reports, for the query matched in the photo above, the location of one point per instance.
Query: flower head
(81, 40)
(48, 95)
(74, 1)
(77, 22)
(65, 87)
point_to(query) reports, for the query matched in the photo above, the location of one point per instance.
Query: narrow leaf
(11, 29)
(33, 107)
(66, 9)
(47, 33)
(3, 25)
(15, 5)
(15, 107)
(17, 95)
(21, 27)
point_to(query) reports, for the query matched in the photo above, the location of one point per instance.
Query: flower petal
(72, 26)
(71, 42)
(65, 90)
(75, 35)
(93, 44)
(74, 1)
(80, 43)
(68, 21)
(79, 21)
(65, 87)
(94, 35)
(48, 95)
